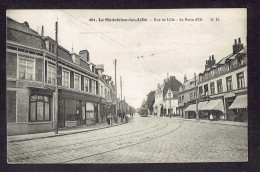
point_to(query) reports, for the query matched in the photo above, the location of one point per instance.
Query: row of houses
(86, 94)
(220, 90)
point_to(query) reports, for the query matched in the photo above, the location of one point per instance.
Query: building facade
(158, 103)
(31, 82)
(170, 96)
(222, 87)
(187, 95)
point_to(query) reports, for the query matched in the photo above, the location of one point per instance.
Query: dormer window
(76, 59)
(50, 46)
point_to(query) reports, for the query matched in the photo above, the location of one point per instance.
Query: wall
(28, 128)
(22, 100)
(11, 65)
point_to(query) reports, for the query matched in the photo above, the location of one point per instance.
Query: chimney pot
(206, 61)
(209, 57)
(212, 57)
(235, 41)
(42, 34)
(239, 40)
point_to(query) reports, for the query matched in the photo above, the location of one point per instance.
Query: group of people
(111, 117)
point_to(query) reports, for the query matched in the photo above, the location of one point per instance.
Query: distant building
(170, 95)
(158, 103)
(187, 95)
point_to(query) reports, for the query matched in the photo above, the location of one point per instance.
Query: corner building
(30, 75)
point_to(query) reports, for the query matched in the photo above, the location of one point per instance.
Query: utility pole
(121, 99)
(196, 89)
(116, 92)
(56, 88)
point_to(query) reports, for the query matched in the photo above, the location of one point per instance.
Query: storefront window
(39, 108)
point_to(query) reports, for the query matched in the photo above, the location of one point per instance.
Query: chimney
(213, 60)
(42, 34)
(185, 79)
(84, 54)
(237, 47)
(167, 76)
(209, 57)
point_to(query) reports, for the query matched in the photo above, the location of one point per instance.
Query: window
(94, 87)
(65, 78)
(195, 95)
(179, 99)
(105, 93)
(206, 89)
(39, 108)
(240, 80)
(219, 85)
(51, 74)
(212, 88)
(169, 95)
(228, 66)
(51, 47)
(191, 96)
(229, 83)
(26, 69)
(77, 82)
(200, 91)
(182, 98)
(86, 85)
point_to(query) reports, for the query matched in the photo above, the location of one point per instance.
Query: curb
(214, 123)
(64, 134)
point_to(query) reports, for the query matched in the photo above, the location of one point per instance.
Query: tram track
(123, 147)
(89, 141)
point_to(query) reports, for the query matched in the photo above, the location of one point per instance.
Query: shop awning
(214, 105)
(202, 104)
(191, 108)
(239, 103)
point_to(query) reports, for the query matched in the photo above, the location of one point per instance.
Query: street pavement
(150, 139)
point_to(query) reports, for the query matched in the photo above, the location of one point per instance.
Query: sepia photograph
(87, 86)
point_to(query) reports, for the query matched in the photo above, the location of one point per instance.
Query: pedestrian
(211, 117)
(110, 118)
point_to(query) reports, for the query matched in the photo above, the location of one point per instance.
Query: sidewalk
(232, 123)
(62, 132)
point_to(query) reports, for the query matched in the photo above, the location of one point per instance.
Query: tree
(150, 100)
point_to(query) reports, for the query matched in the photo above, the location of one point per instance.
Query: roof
(22, 34)
(173, 84)
(10, 23)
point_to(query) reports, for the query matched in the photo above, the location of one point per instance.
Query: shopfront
(77, 109)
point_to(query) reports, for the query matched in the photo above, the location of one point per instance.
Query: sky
(168, 41)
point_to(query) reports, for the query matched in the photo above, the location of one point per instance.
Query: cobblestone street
(143, 140)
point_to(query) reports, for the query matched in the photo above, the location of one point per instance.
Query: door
(61, 113)
(78, 112)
